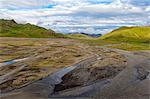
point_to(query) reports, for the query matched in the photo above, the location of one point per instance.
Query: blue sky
(90, 16)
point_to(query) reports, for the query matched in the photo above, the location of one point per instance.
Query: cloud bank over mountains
(92, 16)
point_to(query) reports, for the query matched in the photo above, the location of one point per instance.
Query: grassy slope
(133, 38)
(126, 38)
(129, 34)
(9, 28)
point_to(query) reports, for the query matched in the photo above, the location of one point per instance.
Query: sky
(68, 16)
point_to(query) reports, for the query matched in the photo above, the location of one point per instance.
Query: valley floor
(69, 68)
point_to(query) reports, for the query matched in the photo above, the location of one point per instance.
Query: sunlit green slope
(9, 28)
(129, 34)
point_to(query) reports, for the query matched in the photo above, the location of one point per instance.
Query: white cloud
(77, 15)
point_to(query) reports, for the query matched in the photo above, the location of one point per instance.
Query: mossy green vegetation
(97, 42)
(9, 28)
(78, 36)
(131, 46)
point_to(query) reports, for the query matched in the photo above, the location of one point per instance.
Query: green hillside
(9, 28)
(129, 34)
